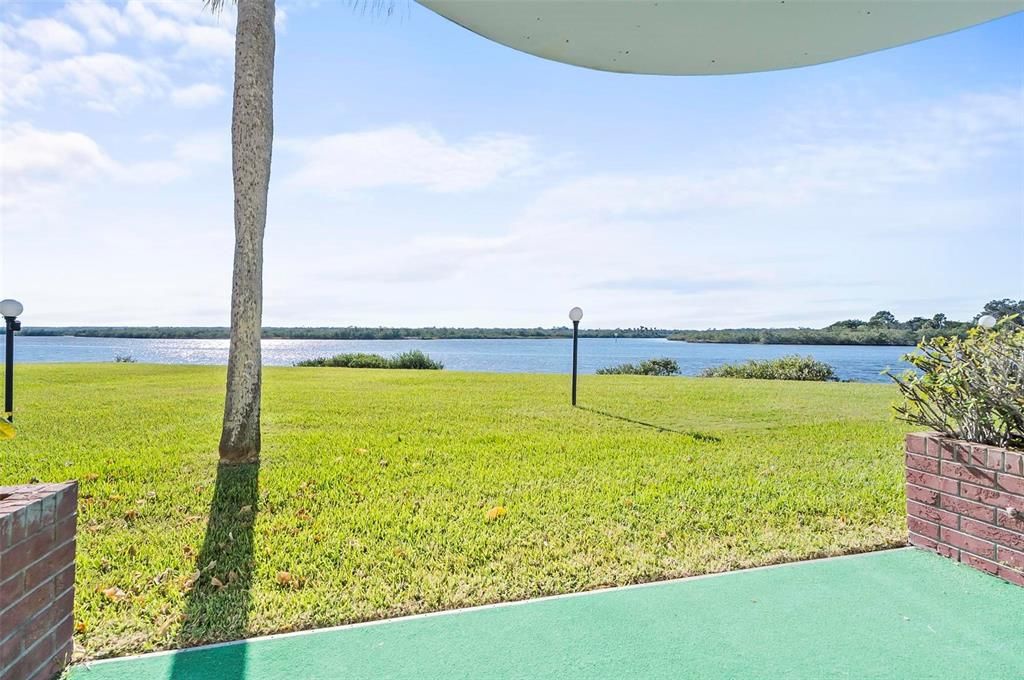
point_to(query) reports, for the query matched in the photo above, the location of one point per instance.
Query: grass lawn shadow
(699, 436)
(218, 603)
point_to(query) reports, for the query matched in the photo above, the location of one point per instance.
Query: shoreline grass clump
(663, 366)
(414, 359)
(784, 368)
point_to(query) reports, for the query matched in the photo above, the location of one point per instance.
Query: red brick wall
(961, 499)
(37, 579)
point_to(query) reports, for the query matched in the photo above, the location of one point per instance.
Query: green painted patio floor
(894, 614)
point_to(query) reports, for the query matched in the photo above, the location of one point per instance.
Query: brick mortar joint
(43, 639)
(56, 520)
(35, 671)
(50, 632)
(57, 570)
(997, 511)
(24, 496)
(42, 636)
(1000, 561)
(42, 557)
(940, 438)
(993, 560)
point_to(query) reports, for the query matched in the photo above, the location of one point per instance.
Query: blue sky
(426, 176)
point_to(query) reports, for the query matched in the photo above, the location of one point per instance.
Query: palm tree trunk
(252, 134)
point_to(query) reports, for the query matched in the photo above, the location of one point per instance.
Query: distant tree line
(883, 328)
(343, 333)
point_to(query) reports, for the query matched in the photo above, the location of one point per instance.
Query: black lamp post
(10, 309)
(575, 314)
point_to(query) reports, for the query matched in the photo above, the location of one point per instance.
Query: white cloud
(406, 156)
(51, 35)
(41, 168)
(16, 67)
(196, 96)
(198, 33)
(203, 41)
(134, 52)
(907, 147)
(29, 151)
(104, 81)
(151, 24)
(102, 23)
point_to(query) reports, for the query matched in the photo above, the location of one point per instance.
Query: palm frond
(384, 8)
(215, 6)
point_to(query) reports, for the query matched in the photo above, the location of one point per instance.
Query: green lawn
(375, 486)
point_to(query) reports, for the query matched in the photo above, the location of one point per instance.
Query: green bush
(416, 360)
(784, 368)
(968, 388)
(352, 360)
(413, 360)
(663, 366)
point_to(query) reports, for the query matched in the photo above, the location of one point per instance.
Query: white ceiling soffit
(705, 37)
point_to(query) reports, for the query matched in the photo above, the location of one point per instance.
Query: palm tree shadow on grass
(214, 613)
(699, 436)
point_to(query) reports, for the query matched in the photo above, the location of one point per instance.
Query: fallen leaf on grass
(190, 582)
(216, 582)
(245, 510)
(284, 578)
(496, 512)
(80, 627)
(164, 625)
(114, 594)
(90, 477)
(159, 578)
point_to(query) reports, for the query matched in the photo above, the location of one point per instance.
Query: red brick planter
(966, 501)
(37, 579)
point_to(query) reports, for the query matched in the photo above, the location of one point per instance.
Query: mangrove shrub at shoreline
(663, 366)
(408, 360)
(784, 368)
